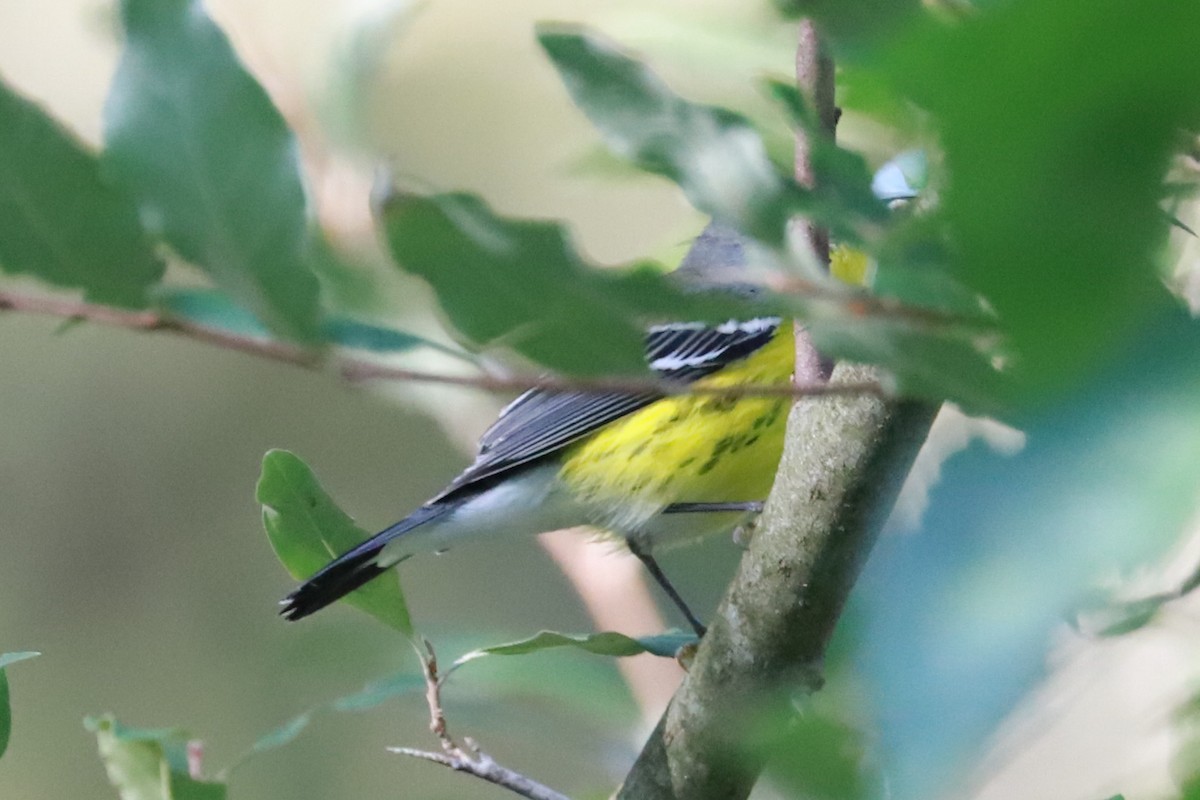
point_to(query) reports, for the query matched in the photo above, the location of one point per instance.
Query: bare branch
(484, 767)
(814, 78)
(357, 370)
(469, 759)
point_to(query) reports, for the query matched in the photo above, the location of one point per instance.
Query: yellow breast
(689, 449)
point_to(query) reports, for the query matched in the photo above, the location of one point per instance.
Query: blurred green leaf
(819, 759)
(521, 284)
(601, 163)
(307, 530)
(851, 24)
(284, 734)
(149, 764)
(5, 708)
(211, 309)
(1122, 618)
(915, 266)
(607, 643)
(370, 696)
(843, 181)
(214, 309)
(346, 283)
(718, 159)
(567, 680)
(1056, 161)
(934, 357)
(59, 219)
(357, 335)
(715, 156)
(379, 691)
(1011, 544)
(211, 161)
(7, 659)
(1117, 619)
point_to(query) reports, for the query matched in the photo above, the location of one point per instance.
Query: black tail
(352, 569)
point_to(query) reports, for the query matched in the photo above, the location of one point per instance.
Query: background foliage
(1057, 135)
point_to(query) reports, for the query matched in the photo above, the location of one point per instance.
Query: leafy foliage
(60, 219)
(370, 696)
(211, 161)
(1025, 277)
(1104, 482)
(307, 529)
(715, 156)
(1055, 172)
(522, 284)
(7, 659)
(604, 644)
(212, 309)
(149, 764)
(815, 757)
(719, 161)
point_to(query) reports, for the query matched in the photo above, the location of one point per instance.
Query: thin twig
(356, 370)
(468, 757)
(859, 304)
(433, 697)
(485, 767)
(814, 79)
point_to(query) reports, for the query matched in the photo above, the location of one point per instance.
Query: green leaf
(211, 161)
(7, 659)
(59, 219)
(1056, 161)
(284, 734)
(843, 181)
(719, 161)
(379, 691)
(1122, 618)
(851, 24)
(211, 309)
(935, 359)
(607, 643)
(307, 530)
(820, 759)
(149, 764)
(1117, 619)
(715, 155)
(214, 309)
(521, 284)
(5, 708)
(1105, 485)
(370, 696)
(377, 339)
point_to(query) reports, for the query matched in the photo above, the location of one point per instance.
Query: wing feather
(541, 422)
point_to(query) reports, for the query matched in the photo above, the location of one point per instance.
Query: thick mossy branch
(843, 466)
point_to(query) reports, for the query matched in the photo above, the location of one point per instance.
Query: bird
(648, 468)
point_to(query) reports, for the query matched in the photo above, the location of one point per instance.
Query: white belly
(536, 502)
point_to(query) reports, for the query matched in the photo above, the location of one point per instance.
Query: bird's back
(689, 448)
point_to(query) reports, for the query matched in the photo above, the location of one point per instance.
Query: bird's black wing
(541, 422)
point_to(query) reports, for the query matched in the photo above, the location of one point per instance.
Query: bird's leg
(659, 576)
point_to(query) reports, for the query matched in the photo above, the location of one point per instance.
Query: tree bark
(843, 465)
